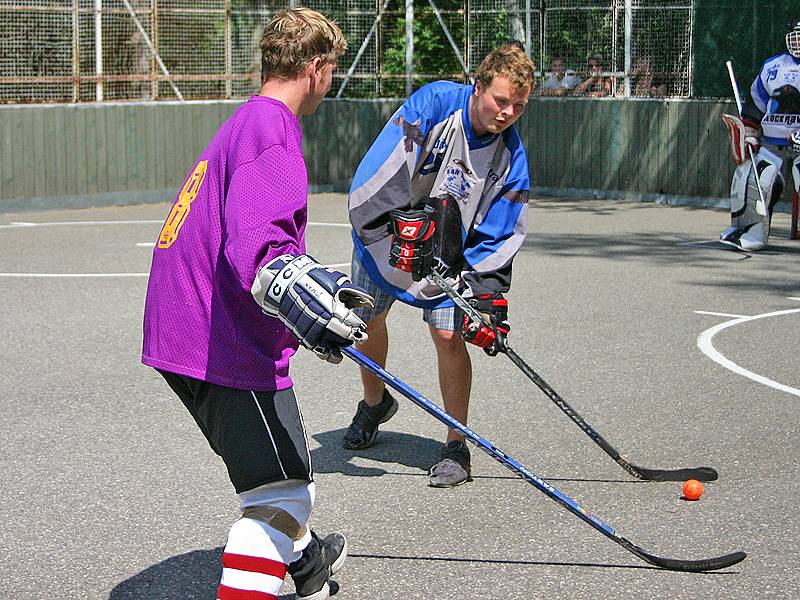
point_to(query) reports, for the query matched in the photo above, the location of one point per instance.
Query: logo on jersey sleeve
(411, 133)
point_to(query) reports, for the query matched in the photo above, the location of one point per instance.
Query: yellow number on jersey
(180, 210)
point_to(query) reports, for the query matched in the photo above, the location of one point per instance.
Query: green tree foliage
(434, 57)
(746, 32)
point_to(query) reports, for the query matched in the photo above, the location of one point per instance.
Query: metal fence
(110, 50)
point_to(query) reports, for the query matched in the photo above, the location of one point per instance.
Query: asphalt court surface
(680, 352)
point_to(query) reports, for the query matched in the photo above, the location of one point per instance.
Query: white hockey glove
(313, 301)
(752, 138)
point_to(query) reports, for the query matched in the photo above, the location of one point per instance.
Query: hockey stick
(761, 205)
(700, 473)
(672, 564)
(793, 224)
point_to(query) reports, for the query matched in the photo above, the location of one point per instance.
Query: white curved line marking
(707, 348)
(718, 314)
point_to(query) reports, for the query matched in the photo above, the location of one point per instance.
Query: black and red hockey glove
(412, 242)
(495, 307)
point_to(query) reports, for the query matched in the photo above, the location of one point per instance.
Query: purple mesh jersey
(244, 203)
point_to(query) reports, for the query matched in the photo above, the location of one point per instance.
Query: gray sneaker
(453, 468)
(364, 428)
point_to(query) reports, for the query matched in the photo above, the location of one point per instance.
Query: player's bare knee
(447, 341)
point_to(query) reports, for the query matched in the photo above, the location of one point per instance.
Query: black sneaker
(311, 573)
(453, 467)
(364, 428)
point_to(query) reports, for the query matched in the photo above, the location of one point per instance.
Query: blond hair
(511, 62)
(295, 36)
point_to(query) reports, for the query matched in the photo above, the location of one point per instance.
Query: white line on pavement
(717, 314)
(707, 347)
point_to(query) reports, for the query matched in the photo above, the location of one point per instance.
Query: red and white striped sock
(254, 562)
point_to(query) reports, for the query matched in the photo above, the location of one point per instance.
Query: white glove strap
(268, 289)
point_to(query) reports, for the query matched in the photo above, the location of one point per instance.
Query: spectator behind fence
(596, 84)
(643, 83)
(562, 81)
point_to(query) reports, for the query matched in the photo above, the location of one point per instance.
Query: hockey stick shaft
(761, 206)
(504, 459)
(735, 87)
(701, 473)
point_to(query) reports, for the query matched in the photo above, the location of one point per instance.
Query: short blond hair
(511, 62)
(295, 36)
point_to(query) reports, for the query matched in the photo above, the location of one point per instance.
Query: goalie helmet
(793, 38)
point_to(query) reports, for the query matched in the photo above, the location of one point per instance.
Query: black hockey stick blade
(699, 473)
(677, 564)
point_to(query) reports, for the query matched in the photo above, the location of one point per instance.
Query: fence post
(228, 51)
(409, 46)
(98, 48)
(76, 48)
(628, 41)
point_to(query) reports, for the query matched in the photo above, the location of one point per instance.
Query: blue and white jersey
(774, 99)
(429, 150)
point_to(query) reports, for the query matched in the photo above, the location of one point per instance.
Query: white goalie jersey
(774, 99)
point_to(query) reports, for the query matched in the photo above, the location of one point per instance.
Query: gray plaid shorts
(447, 319)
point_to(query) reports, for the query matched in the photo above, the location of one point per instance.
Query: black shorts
(259, 435)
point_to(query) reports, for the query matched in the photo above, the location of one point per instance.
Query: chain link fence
(113, 50)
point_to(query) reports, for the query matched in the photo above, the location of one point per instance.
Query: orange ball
(692, 489)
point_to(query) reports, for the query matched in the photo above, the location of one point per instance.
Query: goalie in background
(446, 179)
(231, 291)
(770, 115)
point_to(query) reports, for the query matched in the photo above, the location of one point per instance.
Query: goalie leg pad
(748, 228)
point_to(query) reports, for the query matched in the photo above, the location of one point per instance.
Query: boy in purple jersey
(231, 292)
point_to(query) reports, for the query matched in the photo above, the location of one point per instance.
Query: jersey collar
(474, 141)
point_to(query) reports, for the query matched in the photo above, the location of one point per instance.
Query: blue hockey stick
(706, 564)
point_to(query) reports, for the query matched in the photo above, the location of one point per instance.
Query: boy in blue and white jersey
(771, 113)
(446, 181)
